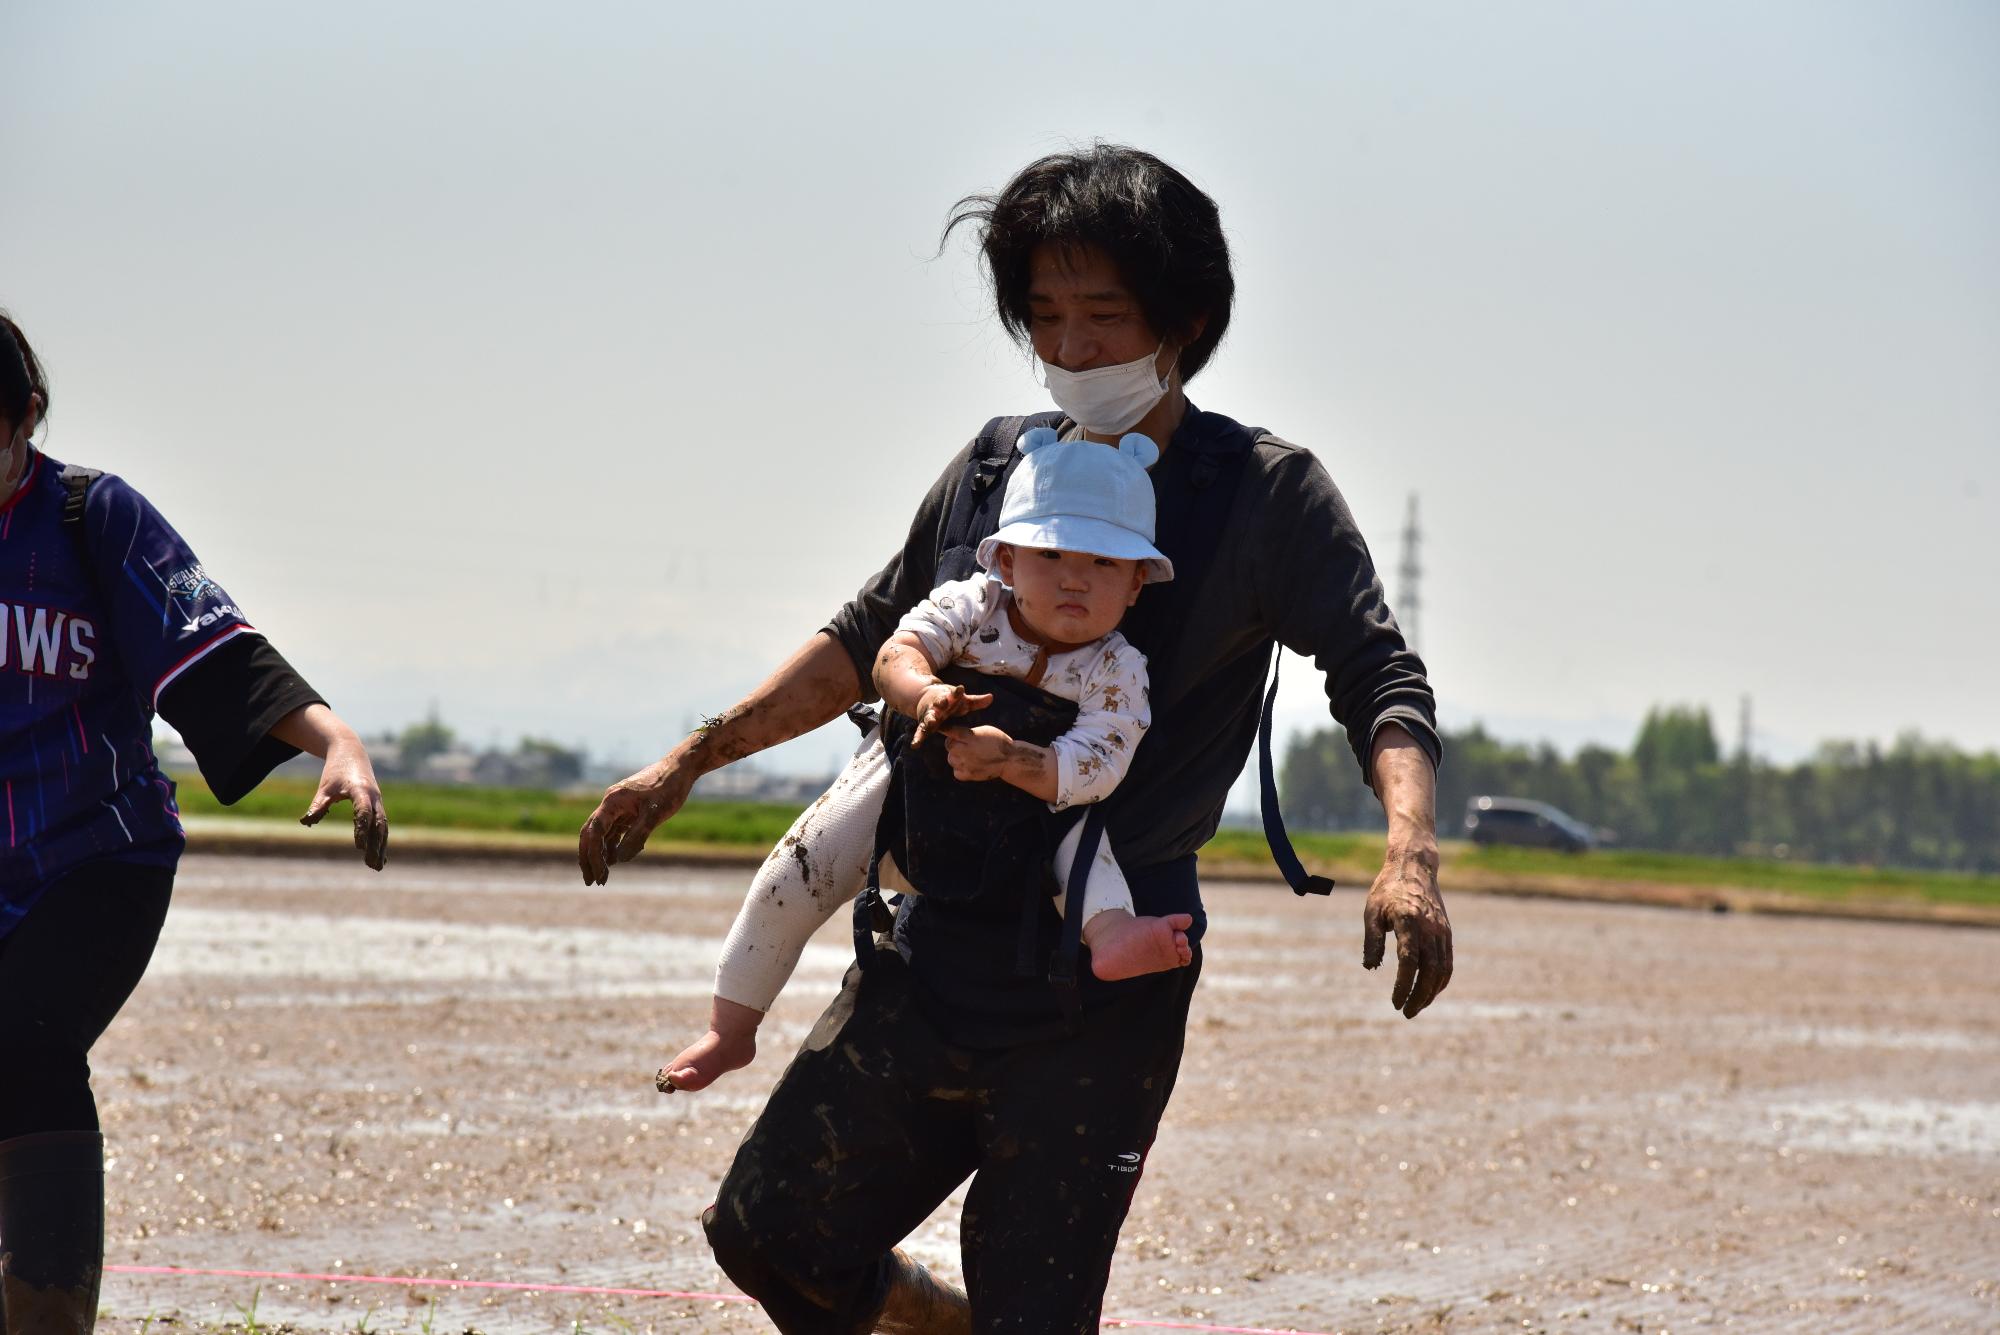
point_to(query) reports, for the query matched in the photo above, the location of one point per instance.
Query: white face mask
(14, 458)
(1109, 399)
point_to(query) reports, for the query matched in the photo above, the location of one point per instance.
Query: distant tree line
(1919, 803)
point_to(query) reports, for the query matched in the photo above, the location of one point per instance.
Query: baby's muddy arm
(907, 679)
(903, 672)
(810, 688)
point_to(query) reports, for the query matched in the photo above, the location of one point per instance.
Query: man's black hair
(1163, 234)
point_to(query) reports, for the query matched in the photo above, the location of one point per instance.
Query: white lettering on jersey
(40, 643)
(31, 640)
(210, 618)
(82, 654)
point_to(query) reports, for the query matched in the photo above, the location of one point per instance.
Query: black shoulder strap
(1212, 486)
(1275, 838)
(1195, 526)
(76, 481)
(1280, 843)
(979, 491)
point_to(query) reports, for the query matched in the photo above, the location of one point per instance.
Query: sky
(565, 367)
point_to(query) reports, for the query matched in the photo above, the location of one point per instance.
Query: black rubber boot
(51, 1232)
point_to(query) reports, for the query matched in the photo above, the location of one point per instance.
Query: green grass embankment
(514, 811)
(1353, 857)
(1810, 878)
(752, 827)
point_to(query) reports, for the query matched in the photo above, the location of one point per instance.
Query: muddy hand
(1405, 900)
(631, 810)
(943, 702)
(348, 777)
(977, 753)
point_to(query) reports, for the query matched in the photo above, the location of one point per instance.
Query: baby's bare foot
(729, 1044)
(703, 1060)
(1122, 946)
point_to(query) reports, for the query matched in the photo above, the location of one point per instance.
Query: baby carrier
(983, 844)
(990, 843)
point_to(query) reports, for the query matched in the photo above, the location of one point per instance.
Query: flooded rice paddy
(1616, 1119)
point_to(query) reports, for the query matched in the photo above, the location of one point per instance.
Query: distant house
(743, 783)
(452, 766)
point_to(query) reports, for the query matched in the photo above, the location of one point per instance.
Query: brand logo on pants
(1126, 1163)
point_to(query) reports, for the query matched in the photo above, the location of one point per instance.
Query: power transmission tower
(1408, 600)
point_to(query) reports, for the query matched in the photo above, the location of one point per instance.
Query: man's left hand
(1405, 900)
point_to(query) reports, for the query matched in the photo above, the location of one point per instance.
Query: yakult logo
(209, 618)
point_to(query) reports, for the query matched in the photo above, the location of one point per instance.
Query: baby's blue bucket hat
(1082, 496)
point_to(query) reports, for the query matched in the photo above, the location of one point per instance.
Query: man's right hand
(631, 810)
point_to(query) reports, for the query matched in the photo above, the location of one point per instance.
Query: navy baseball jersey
(96, 636)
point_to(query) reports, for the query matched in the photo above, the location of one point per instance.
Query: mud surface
(1616, 1119)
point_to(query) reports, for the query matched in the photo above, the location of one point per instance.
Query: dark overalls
(951, 1063)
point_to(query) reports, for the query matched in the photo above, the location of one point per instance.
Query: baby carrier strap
(975, 508)
(1275, 838)
(1062, 966)
(1222, 449)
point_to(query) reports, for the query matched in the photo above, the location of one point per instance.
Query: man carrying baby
(934, 1063)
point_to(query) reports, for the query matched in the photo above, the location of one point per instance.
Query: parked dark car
(1527, 823)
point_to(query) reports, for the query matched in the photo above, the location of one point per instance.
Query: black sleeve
(225, 706)
(1318, 585)
(868, 620)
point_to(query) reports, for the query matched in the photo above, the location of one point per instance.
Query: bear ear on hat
(1039, 438)
(1135, 445)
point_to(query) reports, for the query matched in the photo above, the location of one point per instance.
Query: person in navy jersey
(106, 619)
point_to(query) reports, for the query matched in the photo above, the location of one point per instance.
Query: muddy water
(1616, 1119)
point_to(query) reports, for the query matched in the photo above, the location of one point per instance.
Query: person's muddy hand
(630, 811)
(347, 776)
(978, 753)
(1405, 900)
(940, 703)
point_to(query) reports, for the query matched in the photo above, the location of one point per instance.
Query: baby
(1073, 551)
